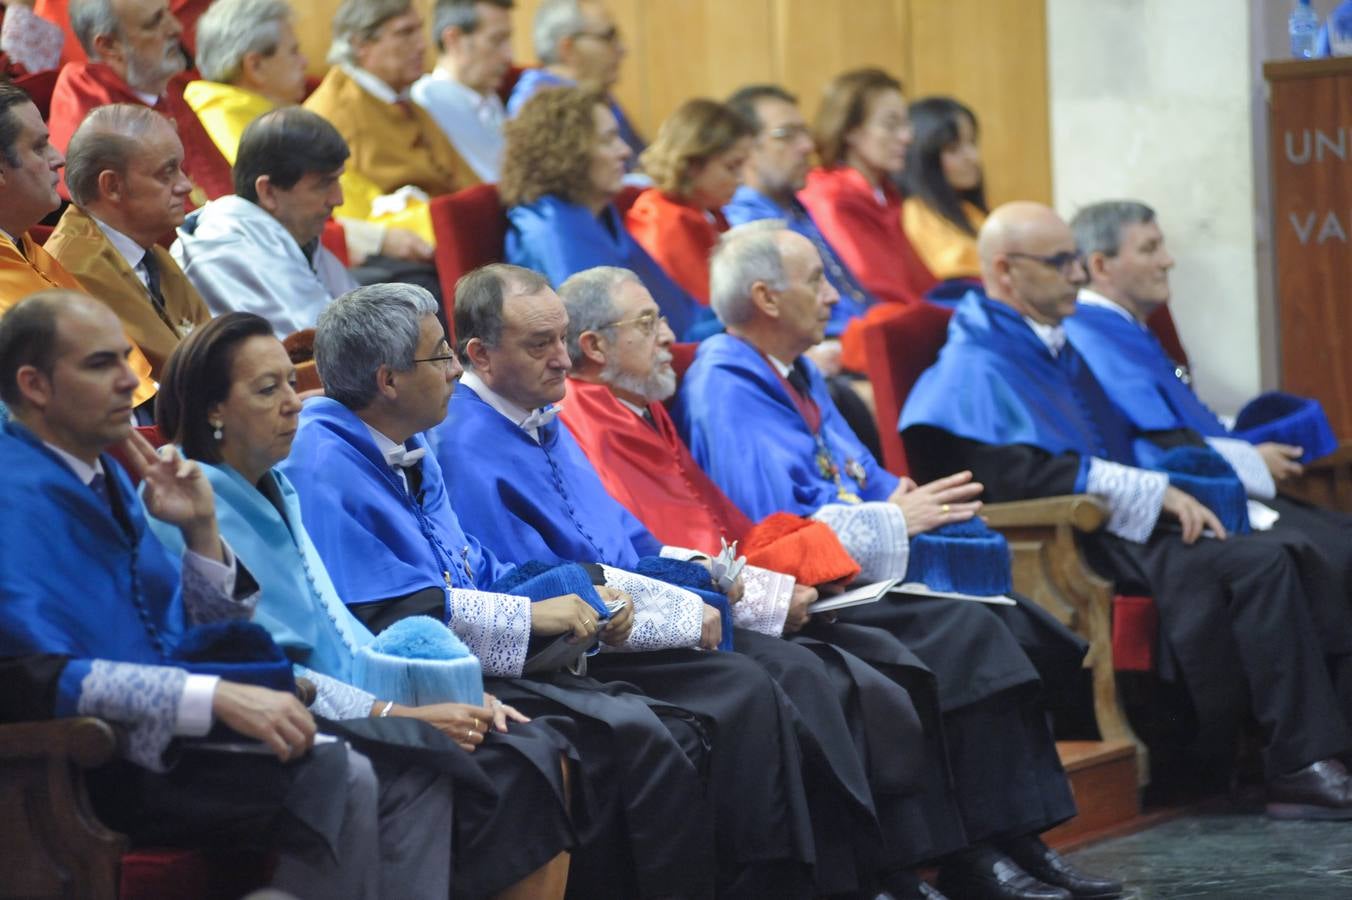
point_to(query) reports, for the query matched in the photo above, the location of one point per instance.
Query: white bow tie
(402, 458)
(540, 417)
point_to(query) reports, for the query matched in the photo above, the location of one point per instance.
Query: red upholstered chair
(40, 233)
(39, 86)
(470, 227)
(1161, 324)
(1046, 563)
(334, 240)
(509, 80)
(626, 197)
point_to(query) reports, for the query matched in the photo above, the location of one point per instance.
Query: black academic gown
(1239, 617)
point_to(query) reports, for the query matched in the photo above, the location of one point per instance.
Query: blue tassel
(1204, 473)
(417, 661)
(963, 558)
(1287, 419)
(676, 571)
(540, 581)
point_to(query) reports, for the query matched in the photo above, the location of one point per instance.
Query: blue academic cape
(376, 541)
(750, 205)
(532, 80)
(744, 430)
(1137, 373)
(533, 501)
(559, 239)
(73, 581)
(297, 602)
(996, 382)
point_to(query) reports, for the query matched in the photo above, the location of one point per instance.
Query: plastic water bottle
(1304, 29)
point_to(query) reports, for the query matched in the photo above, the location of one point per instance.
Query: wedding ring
(944, 509)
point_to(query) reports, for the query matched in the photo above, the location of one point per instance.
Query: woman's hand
(461, 722)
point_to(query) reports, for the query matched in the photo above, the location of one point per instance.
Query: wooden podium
(1310, 125)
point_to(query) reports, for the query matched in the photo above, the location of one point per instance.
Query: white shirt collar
(147, 99)
(130, 250)
(529, 421)
(83, 470)
(1053, 337)
(393, 451)
(374, 85)
(782, 368)
(1093, 298)
(633, 407)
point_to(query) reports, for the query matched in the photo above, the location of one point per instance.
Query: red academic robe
(868, 236)
(649, 470)
(679, 236)
(58, 11)
(83, 86)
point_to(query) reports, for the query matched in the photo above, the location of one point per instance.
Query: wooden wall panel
(989, 53)
(992, 55)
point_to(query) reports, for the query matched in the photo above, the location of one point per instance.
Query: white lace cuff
(1248, 463)
(496, 627)
(336, 699)
(1134, 497)
(363, 239)
(30, 40)
(209, 589)
(874, 533)
(765, 601)
(666, 617)
(144, 699)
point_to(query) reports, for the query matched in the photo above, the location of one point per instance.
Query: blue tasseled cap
(236, 651)
(1287, 419)
(417, 661)
(963, 558)
(1204, 473)
(540, 581)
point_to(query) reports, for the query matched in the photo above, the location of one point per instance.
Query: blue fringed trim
(1287, 419)
(418, 661)
(1204, 473)
(964, 558)
(235, 651)
(540, 581)
(679, 572)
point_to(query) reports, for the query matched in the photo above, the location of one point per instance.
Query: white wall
(1153, 100)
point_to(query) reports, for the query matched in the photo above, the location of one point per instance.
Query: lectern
(1310, 126)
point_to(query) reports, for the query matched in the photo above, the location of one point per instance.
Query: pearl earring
(217, 433)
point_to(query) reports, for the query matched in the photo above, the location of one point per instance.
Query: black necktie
(648, 417)
(99, 484)
(152, 267)
(798, 380)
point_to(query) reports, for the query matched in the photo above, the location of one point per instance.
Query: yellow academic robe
(81, 247)
(28, 268)
(225, 111)
(392, 145)
(948, 251)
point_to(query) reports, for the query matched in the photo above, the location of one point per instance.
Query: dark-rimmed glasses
(1065, 262)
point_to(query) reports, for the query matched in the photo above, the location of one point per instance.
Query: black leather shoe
(985, 874)
(1046, 865)
(1321, 790)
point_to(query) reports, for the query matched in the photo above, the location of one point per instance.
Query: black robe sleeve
(28, 686)
(1009, 472)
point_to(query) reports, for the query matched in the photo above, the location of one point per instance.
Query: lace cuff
(496, 627)
(1134, 496)
(336, 699)
(765, 603)
(30, 40)
(874, 533)
(666, 617)
(209, 589)
(144, 699)
(1248, 464)
(363, 238)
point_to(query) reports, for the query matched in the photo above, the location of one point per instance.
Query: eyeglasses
(444, 357)
(610, 36)
(787, 133)
(1065, 262)
(647, 323)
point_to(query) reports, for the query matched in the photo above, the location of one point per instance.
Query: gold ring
(944, 509)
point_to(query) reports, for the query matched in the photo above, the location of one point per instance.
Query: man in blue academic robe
(107, 596)
(1015, 403)
(758, 418)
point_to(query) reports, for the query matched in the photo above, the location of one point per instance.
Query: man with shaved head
(1013, 402)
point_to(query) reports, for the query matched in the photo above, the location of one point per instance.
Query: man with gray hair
(124, 172)
(400, 157)
(577, 43)
(376, 505)
(474, 40)
(134, 52)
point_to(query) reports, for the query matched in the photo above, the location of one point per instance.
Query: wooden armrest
(1338, 459)
(86, 742)
(1081, 511)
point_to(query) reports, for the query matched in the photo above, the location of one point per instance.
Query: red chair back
(899, 347)
(1161, 324)
(40, 233)
(509, 80)
(39, 87)
(682, 355)
(626, 198)
(334, 240)
(470, 227)
(150, 433)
